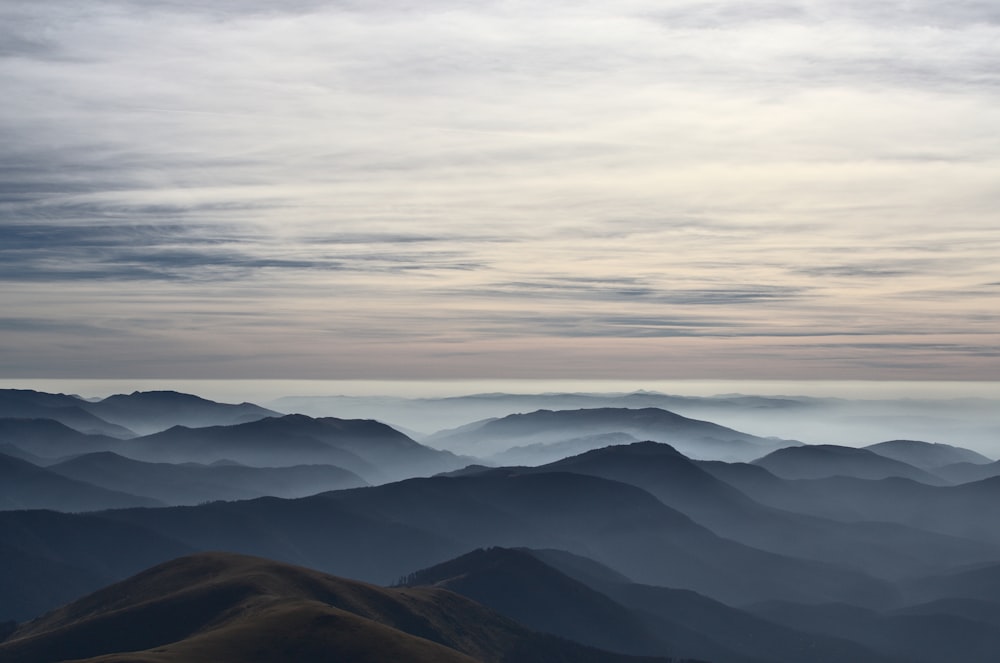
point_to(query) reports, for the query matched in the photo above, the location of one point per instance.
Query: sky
(455, 189)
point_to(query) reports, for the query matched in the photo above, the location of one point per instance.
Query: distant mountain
(27, 486)
(694, 438)
(191, 483)
(51, 439)
(829, 460)
(968, 511)
(71, 411)
(432, 414)
(224, 608)
(538, 453)
(887, 550)
(966, 472)
(370, 449)
(927, 455)
(152, 411)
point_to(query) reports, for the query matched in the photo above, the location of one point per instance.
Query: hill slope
(221, 608)
(692, 437)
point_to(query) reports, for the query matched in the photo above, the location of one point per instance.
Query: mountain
(71, 411)
(966, 472)
(927, 455)
(222, 608)
(48, 558)
(967, 511)
(432, 414)
(885, 549)
(538, 453)
(979, 583)
(152, 411)
(694, 438)
(528, 586)
(828, 460)
(51, 439)
(379, 534)
(370, 449)
(191, 483)
(27, 486)
(520, 586)
(915, 638)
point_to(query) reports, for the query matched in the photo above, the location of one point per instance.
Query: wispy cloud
(495, 179)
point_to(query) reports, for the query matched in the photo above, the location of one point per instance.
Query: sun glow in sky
(635, 189)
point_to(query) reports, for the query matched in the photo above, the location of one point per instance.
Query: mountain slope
(370, 449)
(52, 439)
(887, 550)
(694, 438)
(191, 483)
(828, 460)
(151, 411)
(926, 455)
(222, 607)
(68, 410)
(27, 486)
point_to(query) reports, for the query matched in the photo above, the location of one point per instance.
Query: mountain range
(178, 529)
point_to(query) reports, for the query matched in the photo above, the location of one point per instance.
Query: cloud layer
(445, 189)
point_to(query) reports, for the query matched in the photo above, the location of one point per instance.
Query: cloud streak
(584, 184)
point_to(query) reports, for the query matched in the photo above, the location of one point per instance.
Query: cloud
(355, 172)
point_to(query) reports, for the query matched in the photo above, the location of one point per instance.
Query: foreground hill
(222, 608)
(192, 483)
(692, 437)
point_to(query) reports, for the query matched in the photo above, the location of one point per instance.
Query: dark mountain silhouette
(48, 558)
(152, 411)
(378, 534)
(68, 410)
(27, 486)
(370, 449)
(828, 460)
(191, 483)
(528, 586)
(888, 550)
(979, 583)
(927, 455)
(617, 524)
(917, 638)
(220, 608)
(967, 472)
(520, 586)
(17, 452)
(538, 453)
(51, 439)
(967, 511)
(698, 439)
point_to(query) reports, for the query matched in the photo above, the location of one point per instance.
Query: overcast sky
(449, 188)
